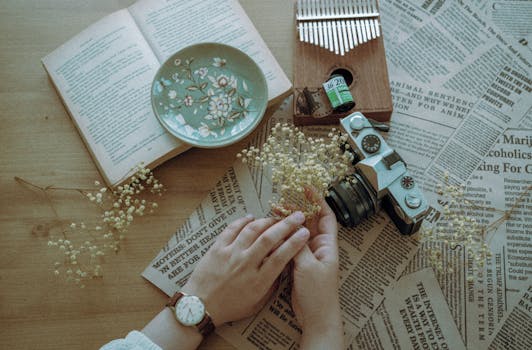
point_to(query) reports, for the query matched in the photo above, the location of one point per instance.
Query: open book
(104, 75)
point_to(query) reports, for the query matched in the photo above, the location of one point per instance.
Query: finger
(327, 223)
(284, 211)
(275, 234)
(233, 229)
(325, 220)
(278, 260)
(327, 251)
(252, 231)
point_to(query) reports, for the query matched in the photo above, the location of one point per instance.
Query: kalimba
(339, 37)
(337, 25)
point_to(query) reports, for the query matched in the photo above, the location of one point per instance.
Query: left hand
(236, 276)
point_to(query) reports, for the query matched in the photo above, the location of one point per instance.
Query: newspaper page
(457, 48)
(516, 330)
(501, 184)
(400, 18)
(511, 16)
(414, 315)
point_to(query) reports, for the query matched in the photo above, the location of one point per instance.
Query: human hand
(236, 276)
(315, 281)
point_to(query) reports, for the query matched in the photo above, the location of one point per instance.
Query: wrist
(324, 333)
(210, 302)
(324, 320)
(190, 311)
(165, 331)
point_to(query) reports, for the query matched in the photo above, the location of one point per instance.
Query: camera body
(380, 180)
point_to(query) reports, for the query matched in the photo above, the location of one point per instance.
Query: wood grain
(40, 144)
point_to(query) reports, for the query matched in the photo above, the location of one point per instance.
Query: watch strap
(205, 326)
(174, 299)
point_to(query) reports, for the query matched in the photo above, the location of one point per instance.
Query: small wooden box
(313, 65)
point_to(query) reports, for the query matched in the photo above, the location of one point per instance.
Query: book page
(172, 25)
(104, 76)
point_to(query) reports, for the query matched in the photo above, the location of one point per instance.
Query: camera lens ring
(351, 200)
(341, 212)
(361, 193)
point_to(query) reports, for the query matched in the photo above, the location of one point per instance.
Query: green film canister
(338, 93)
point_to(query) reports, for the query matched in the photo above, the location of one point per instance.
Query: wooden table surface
(40, 144)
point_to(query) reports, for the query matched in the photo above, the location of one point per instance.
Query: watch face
(189, 310)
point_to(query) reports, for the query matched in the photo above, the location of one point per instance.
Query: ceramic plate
(209, 95)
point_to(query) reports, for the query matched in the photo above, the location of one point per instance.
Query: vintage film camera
(380, 180)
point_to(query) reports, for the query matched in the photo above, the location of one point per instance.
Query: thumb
(304, 257)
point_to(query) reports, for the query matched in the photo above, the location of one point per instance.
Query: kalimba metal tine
(299, 11)
(320, 34)
(349, 35)
(311, 32)
(335, 37)
(312, 15)
(320, 24)
(359, 32)
(368, 31)
(330, 35)
(344, 35)
(325, 36)
(354, 33)
(341, 30)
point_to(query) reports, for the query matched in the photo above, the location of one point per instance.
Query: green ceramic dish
(209, 95)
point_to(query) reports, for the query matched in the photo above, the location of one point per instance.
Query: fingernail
(303, 233)
(299, 217)
(249, 216)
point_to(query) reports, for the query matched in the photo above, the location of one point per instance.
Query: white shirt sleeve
(135, 340)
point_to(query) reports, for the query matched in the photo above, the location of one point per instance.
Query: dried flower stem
(82, 258)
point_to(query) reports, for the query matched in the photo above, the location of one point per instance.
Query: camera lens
(351, 200)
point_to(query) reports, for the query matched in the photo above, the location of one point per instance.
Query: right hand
(315, 288)
(237, 275)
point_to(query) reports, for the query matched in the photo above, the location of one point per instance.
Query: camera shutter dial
(407, 182)
(371, 143)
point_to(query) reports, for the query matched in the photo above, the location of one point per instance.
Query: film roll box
(356, 53)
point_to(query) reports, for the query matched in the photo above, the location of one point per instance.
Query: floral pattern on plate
(210, 96)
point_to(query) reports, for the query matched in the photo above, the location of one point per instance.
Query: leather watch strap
(174, 299)
(205, 326)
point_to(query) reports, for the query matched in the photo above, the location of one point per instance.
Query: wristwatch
(189, 310)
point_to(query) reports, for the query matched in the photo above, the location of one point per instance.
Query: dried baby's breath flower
(82, 246)
(458, 229)
(298, 163)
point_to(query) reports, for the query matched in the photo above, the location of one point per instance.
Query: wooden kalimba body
(339, 37)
